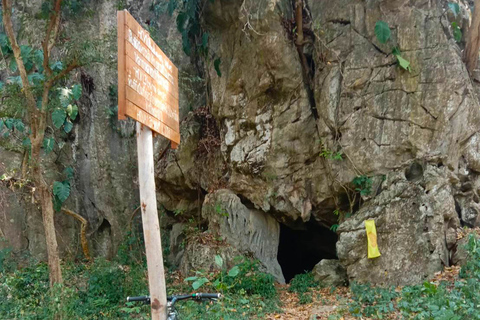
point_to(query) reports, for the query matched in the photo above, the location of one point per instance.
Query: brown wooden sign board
(147, 80)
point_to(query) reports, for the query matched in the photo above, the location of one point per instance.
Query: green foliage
(251, 280)
(97, 290)
(329, 154)
(58, 117)
(220, 211)
(303, 285)
(454, 7)
(334, 227)
(401, 61)
(248, 293)
(363, 185)
(382, 31)
(7, 261)
(371, 301)
(68, 172)
(61, 190)
(427, 301)
(91, 291)
(457, 32)
(48, 144)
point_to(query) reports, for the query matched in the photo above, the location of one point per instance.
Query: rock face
(100, 149)
(412, 220)
(330, 273)
(286, 130)
(248, 230)
(411, 134)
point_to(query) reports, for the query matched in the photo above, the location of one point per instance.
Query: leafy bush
(250, 280)
(428, 301)
(302, 284)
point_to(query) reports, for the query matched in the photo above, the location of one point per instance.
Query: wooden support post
(151, 226)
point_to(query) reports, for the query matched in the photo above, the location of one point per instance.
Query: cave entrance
(301, 250)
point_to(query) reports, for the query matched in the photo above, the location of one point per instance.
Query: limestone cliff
(273, 136)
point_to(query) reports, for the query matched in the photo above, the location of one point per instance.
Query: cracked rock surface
(415, 134)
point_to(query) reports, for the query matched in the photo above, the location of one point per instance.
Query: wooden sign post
(148, 93)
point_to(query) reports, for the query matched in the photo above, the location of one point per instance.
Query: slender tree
(473, 40)
(38, 90)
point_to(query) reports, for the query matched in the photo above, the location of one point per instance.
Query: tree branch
(299, 22)
(66, 71)
(7, 22)
(49, 83)
(47, 45)
(83, 231)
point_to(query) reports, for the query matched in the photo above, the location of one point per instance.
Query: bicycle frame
(172, 313)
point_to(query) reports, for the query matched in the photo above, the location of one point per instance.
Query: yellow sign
(373, 251)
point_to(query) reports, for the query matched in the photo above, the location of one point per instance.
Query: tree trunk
(45, 198)
(473, 40)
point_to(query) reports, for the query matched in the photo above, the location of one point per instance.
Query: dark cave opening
(300, 250)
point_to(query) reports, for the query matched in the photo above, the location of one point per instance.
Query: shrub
(302, 284)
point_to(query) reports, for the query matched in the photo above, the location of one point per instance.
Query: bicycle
(172, 313)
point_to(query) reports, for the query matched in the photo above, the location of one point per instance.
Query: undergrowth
(98, 290)
(303, 284)
(443, 301)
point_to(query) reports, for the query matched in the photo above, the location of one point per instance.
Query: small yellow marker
(373, 251)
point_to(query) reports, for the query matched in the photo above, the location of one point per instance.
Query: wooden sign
(147, 80)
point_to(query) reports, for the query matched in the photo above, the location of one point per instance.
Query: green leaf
(61, 190)
(218, 261)
(72, 111)
(57, 66)
(57, 204)
(58, 117)
(13, 65)
(35, 77)
(405, 64)
(216, 64)
(16, 80)
(234, 272)
(69, 172)
(172, 5)
(454, 7)
(67, 126)
(48, 144)
(200, 282)
(76, 91)
(38, 58)
(19, 125)
(382, 31)
(182, 18)
(64, 96)
(205, 40)
(27, 143)
(191, 279)
(9, 122)
(1, 125)
(457, 32)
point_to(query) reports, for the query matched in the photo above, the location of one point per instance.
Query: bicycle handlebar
(145, 299)
(173, 299)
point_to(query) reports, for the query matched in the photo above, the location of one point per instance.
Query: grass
(444, 301)
(97, 290)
